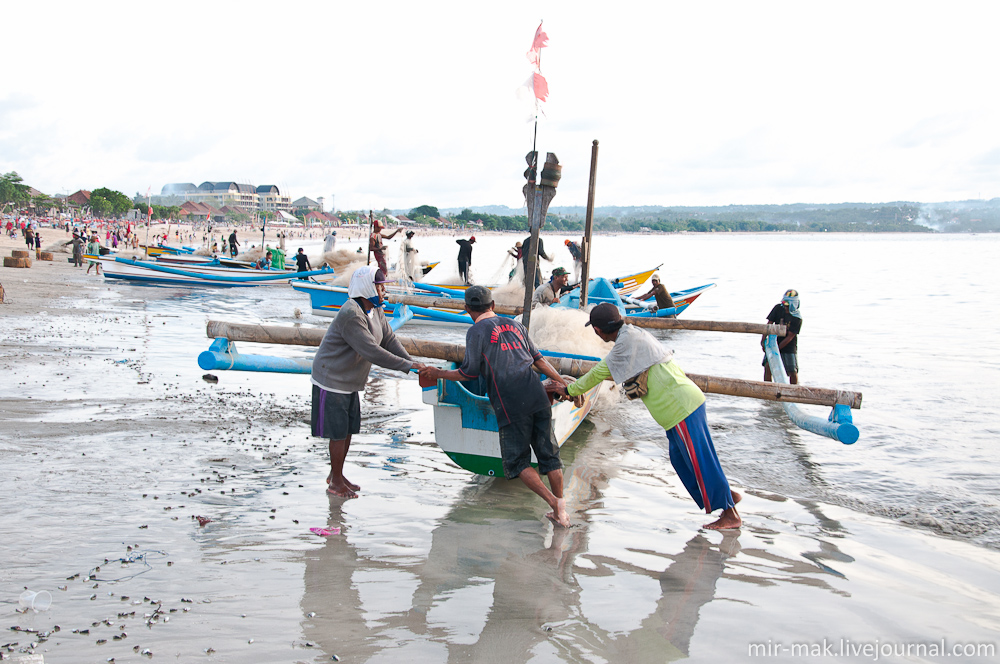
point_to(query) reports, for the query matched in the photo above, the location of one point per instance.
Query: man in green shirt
(675, 403)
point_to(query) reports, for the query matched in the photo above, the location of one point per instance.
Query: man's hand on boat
(559, 391)
(428, 372)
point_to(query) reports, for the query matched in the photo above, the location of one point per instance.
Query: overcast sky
(398, 104)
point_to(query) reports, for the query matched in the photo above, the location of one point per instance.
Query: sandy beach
(113, 443)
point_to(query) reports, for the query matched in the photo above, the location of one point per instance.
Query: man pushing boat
(649, 373)
(500, 351)
(357, 338)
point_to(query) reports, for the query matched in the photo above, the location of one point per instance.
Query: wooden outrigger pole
(226, 334)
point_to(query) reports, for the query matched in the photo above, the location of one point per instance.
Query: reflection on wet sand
(500, 584)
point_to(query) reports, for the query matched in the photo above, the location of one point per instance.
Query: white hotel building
(265, 198)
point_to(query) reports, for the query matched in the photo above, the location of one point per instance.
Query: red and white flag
(540, 41)
(536, 89)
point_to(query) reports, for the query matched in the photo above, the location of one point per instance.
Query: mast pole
(371, 222)
(588, 228)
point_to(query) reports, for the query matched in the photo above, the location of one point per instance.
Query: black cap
(478, 296)
(605, 317)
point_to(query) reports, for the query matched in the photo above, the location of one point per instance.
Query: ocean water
(112, 439)
(911, 321)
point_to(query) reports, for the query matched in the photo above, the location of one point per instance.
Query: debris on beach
(325, 532)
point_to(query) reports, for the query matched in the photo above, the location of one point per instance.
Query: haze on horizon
(393, 104)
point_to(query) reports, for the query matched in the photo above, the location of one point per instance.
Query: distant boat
(326, 300)
(130, 269)
(602, 290)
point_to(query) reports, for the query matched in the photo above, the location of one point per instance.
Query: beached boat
(199, 275)
(465, 426)
(166, 250)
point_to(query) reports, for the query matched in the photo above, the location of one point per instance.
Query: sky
(399, 104)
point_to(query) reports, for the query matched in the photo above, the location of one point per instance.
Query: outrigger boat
(131, 269)
(465, 426)
(163, 249)
(326, 300)
(602, 290)
(624, 285)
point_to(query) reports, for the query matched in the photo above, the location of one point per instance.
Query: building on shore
(247, 197)
(305, 203)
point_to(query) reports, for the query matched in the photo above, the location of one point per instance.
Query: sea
(911, 321)
(884, 550)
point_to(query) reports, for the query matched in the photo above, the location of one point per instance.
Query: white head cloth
(635, 351)
(363, 283)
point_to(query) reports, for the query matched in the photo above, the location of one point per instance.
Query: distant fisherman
(660, 292)
(548, 293)
(358, 337)
(303, 262)
(577, 254)
(526, 251)
(648, 372)
(330, 242)
(786, 313)
(465, 257)
(277, 259)
(515, 253)
(410, 257)
(376, 247)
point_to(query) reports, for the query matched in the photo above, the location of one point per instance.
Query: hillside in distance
(971, 216)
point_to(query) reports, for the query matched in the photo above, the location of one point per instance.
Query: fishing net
(565, 330)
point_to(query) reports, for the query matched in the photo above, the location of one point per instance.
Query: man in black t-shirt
(302, 261)
(786, 313)
(500, 351)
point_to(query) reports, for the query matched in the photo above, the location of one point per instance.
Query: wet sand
(112, 443)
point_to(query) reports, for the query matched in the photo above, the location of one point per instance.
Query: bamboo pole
(455, 303)
(311, 336)
(654, 323)
(706, 325)
(531, 257)
(588, 231)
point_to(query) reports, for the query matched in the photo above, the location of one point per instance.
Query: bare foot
(341, 490)
(737, 497)
(728, 519)
(559, 516)
(350, 485)
(552, 517)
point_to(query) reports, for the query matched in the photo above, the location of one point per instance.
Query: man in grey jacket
(357, 338)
